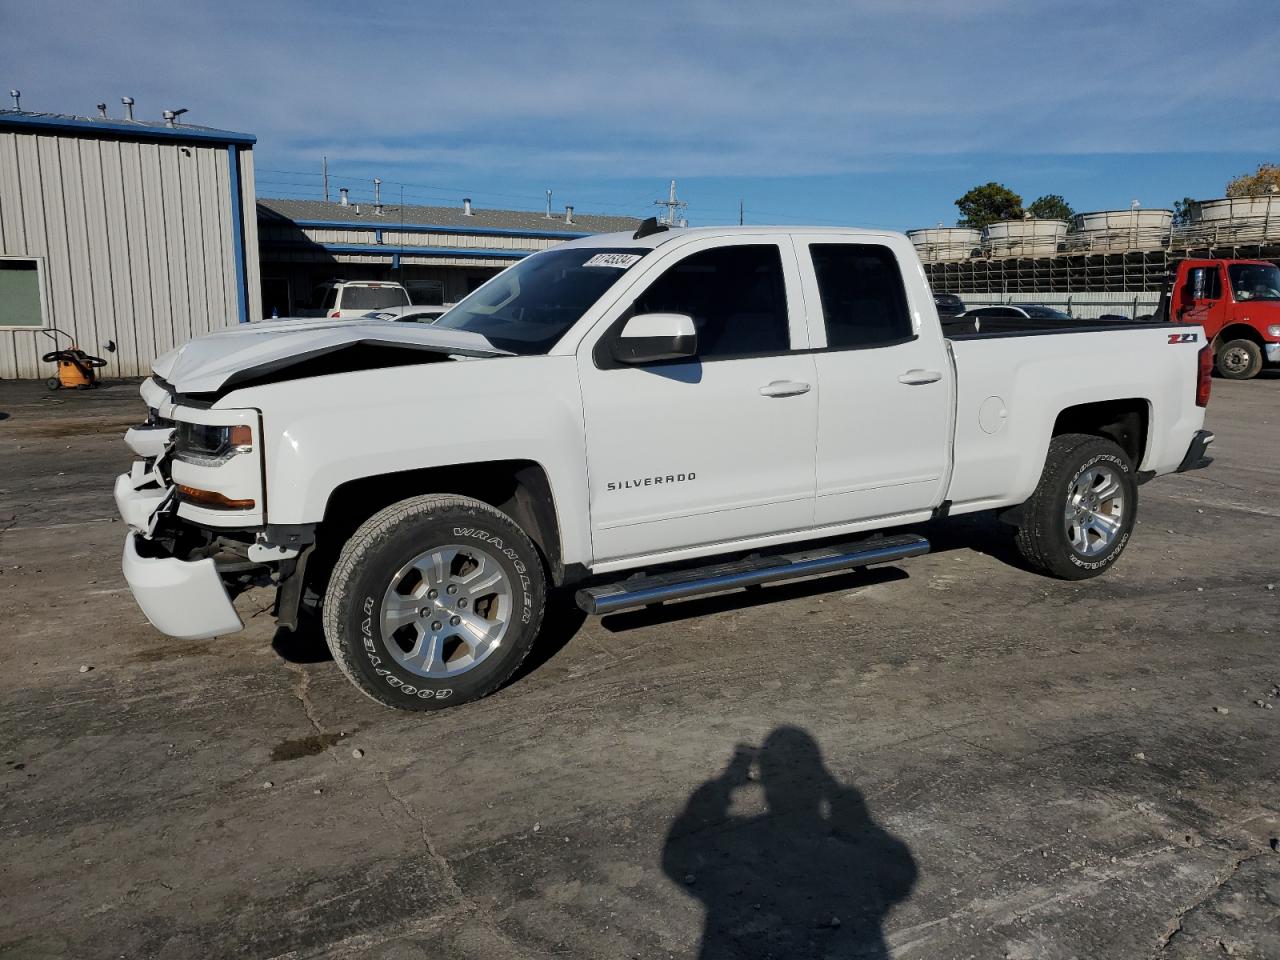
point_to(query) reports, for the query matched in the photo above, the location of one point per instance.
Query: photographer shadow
(812, 876)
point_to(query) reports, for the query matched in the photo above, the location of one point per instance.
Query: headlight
(207, 446)
(1274, 330)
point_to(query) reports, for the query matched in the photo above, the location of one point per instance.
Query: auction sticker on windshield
(618, 260)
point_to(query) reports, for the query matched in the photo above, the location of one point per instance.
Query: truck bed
(1013, 376)
(977, 328)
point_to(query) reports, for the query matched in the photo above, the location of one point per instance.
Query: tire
(1072, 526)
(414, 588)
(1238, 360)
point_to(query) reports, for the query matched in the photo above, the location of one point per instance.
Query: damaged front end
(194, 503)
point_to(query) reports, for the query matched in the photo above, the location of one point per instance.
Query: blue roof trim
(388, 250)
(389, 224)
(139, 131)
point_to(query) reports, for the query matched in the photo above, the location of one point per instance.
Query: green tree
(1051, 207)
(987, 204)
(1266, 179)
(1182, 211)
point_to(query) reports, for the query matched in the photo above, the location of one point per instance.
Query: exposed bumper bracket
(1197, 454)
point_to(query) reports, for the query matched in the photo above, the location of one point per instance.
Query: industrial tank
(945, 243)
(1233, 220)
(1024, 238)
(1131, 229)
(1237, 208)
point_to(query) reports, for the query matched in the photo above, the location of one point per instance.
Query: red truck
(1238, 304)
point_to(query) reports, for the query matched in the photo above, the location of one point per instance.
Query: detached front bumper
(185, 599)
(1197, 457)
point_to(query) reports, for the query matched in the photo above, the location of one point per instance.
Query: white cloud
(739, 87)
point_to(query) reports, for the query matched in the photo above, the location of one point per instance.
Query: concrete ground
(954, 758)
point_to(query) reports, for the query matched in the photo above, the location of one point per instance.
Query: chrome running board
(644, 590)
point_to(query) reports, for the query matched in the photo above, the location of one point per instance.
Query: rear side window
(330, 298)
(736, 296)
(863, 300)
(373, 298)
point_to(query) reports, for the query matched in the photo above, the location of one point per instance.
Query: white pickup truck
(642, 417)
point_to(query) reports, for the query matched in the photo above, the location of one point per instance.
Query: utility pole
(548, 204)
(673, 206)
(324, 166)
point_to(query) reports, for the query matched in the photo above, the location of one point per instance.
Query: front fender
(320, 433)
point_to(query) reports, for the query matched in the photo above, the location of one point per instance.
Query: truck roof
(653, 240)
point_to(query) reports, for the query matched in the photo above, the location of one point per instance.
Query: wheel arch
(1237, 331)
(1125, 421)
(519, 488)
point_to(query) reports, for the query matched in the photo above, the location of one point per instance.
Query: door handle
(915, 377)
(784, 388)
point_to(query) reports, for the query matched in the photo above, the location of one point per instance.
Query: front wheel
(434, 601)
(1239, 360)
(1078, 521)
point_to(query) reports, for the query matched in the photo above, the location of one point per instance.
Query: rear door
(685, 454)
(885, 383)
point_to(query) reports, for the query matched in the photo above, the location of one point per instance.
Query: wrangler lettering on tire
(434, 601)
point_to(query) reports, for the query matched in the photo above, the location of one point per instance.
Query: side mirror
(647, 337)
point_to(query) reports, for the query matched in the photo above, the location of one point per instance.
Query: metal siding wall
(136, 239)
(175, 247)
(193, 237)
(215, 222)
(123, 311)
(141, 284)
(12, 237)
(81, 321)
(249, 215)
(57, 243)
(222, 177)
(154, 219)
(97, 246)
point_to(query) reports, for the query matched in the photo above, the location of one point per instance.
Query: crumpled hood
(216, 360)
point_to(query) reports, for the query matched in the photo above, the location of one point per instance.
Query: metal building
(440, 254)
(121, 232)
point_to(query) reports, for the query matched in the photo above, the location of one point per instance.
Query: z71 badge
(1183, 337)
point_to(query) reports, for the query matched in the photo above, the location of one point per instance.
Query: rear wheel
(1239, 360)
(1078, 521)
(434, 601)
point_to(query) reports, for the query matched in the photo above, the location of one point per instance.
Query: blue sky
(868, 112)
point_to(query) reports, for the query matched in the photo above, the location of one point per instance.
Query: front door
(885, 384)
(689, 453)
(1202, 300)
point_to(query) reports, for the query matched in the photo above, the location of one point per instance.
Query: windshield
(528, 307)
(1255, 281)
(373, 298)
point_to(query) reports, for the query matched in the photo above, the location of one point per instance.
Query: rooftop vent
(466, 207)
(17, 99)
(128, 107)
(171, 116)
(102, 111)
(568, 214)
(377, 196)
(342, 196)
